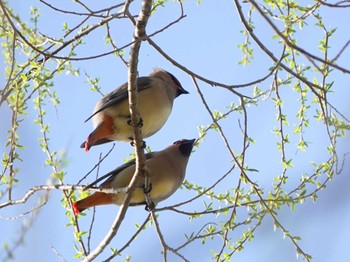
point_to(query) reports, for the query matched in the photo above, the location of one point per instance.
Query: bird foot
(150, 206)
(139, 124)
(132, 143)
(147, 189)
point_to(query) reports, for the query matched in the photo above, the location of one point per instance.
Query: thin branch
(191, 73)
(132, 238)
(6, 91)
(256, 190)
(340, 4)
(91, 13)
(97, 165)
(165, 246)
(62, 187)
(267, 51)
(199, 195)
(293, 46)
(66, 43)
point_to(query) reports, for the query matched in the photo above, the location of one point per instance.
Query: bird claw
(132, 143)
(139, 124)
(150, 206)
(147, 189)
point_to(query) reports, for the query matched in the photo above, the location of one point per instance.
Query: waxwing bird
(166, 170)
(111, 116)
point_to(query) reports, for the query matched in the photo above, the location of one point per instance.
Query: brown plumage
(111, 115)
(167, 171)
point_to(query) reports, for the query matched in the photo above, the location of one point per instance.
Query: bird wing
(121, 93)
(111, 175)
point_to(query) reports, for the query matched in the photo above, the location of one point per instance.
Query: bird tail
(95, 199)
(100, 134)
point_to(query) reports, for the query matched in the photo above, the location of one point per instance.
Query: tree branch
(135, 120)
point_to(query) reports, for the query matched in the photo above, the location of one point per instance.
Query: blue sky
(205, 42)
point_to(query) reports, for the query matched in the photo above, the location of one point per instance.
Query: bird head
(185, 146)
(180, 89)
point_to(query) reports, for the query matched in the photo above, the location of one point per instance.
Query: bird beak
(182, 91)
(191, 141)
(186, 147)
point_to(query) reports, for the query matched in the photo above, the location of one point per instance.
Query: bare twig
(165, 246)
(294, 46)
(62, 187)
(132, 238)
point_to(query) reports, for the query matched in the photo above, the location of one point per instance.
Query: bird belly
(163, 190)
(154, 120)
(154, 114)
(155, 108)
(158, 193)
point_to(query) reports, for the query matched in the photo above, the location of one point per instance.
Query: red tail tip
(87, 147)
(76, 209)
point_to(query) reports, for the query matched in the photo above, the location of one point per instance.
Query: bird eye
(177, 142)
